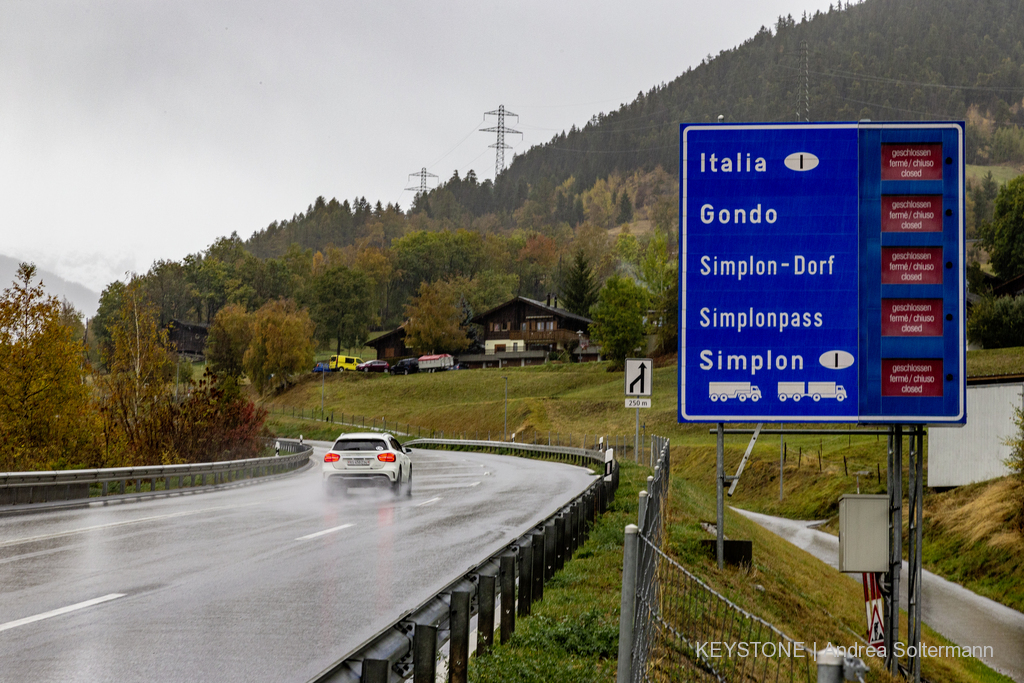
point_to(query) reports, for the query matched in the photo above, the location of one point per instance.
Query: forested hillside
(878, 59)
(605, 196)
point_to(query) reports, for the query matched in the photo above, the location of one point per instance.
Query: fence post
(508, 598)
(643, 509)
(626, 614)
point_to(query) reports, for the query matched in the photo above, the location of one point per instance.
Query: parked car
(405, 366)
(340, 363)
(460, 366)
(365, 460)
(322, 366)
(373, 366)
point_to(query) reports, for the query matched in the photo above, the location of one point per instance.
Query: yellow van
(339, 363)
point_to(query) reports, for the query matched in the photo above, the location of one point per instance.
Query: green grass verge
(572, 635)
(989, 362)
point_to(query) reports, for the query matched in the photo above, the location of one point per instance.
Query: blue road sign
(821, 273)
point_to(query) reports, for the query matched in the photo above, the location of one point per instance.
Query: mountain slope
(83, 298)
(880, 59)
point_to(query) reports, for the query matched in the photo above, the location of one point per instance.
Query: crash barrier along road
(626, 446)
(27, 488)
(503, 586)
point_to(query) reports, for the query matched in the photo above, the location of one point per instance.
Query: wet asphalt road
(271, 582)
(962, 616)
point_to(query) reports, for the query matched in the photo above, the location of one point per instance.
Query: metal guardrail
(23, 488)
(577, 455)
(626, 446)
(409, 646)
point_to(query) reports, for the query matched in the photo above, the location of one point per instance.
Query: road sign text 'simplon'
(822, 273)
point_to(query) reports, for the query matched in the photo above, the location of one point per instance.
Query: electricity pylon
(500, 129)
(422, 175)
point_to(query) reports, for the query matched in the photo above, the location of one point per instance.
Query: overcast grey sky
(138, 130)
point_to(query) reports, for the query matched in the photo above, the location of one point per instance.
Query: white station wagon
(367, 459)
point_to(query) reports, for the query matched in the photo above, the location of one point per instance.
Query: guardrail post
(525, 578)
(602, 496)
(424, 654)
(538, 567)
(458, 645)
(375, 671)
(574, 526)
(508, 598)
(549, 551)
(485, 618)
(628, 606)
(560, 541)
(567, 547)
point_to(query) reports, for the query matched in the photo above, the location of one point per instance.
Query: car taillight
(332, 457)
(386, 457)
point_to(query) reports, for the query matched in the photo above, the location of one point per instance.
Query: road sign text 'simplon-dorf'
(822, 273)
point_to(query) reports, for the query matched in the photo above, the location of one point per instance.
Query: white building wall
(976, 451)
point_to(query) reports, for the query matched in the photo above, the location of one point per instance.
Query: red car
(373, 366)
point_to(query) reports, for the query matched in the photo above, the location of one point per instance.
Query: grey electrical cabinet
(864, 533)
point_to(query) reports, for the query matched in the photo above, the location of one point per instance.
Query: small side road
(962, 616)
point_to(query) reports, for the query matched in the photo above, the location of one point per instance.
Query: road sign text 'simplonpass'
(822, 273)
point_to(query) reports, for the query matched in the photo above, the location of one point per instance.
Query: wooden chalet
(524, 331)
(391, 345)
(189, 339)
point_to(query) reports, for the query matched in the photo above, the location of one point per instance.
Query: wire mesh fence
(684, 630)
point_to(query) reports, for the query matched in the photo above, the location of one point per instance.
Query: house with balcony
(524, 332)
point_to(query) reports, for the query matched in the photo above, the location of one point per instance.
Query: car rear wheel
(408, 485)
(396, 486)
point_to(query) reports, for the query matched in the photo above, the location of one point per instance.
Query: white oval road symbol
(801, 161)
(836, 360)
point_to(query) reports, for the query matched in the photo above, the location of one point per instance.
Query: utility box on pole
(864, 533)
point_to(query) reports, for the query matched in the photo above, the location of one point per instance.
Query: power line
(500, 129)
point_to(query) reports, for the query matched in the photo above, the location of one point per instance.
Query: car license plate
(358, 461)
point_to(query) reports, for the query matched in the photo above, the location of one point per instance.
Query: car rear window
(359, 445)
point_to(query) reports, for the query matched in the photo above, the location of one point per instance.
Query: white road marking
(58, 534)
(62, 610)
(321, 533)
(428, 502)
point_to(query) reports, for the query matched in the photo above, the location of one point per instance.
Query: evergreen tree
(625, 209)
(619, 319)
(580, 291)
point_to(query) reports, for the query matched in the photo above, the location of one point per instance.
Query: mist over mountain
(83, 298)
